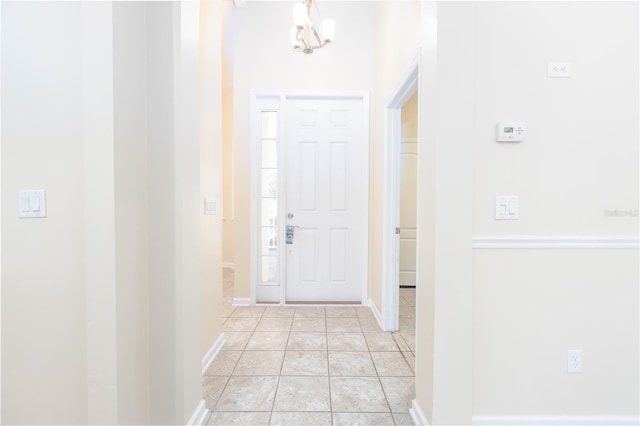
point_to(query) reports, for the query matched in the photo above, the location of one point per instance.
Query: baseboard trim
(417, 415)
(241, 301)
(555, 420)
(555, 242)
(375, 311)
(229, 265)
(212, 352)
(199, 415)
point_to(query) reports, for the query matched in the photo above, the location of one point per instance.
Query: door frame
(276, 100)
(408, 84)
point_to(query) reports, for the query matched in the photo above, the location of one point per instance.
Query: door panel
(324, 169)
(408, 210)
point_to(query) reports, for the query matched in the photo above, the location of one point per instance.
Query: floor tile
(274, 324)
(248, 394)
(343, 325)
(357, 394)
(407, 311)
(212, 387)
(307, 341)
(380, 341)
(305, 363)
(369, 419)
(279, 311)
(336, 312)
(223, 364)
(243, 419)
(351, 364)
(400, 392)
(302, 394)
(391, 364)
(259, 363)
(248, 311)
(240, 324)
(411, 360)
(364, 312)
(236, 340)
(346, 342)
(227, 311)
(403, 419)
(268, 341)
(310, 312)
(301, 418)
(402, 345)
(309, 324)
(369, 324)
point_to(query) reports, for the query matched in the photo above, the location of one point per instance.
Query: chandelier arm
(317, 36)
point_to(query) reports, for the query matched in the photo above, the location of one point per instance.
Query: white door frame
(275, 100)
(391, 219)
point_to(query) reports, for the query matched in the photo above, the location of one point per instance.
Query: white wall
(263, 59)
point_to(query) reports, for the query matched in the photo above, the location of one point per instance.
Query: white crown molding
(555, 242)
(555, 420)
(200, 414)
(212, 352)
(417, 415)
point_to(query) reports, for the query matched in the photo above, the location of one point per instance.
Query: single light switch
(32, 203)
(507, 207)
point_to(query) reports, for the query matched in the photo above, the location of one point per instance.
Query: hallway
(311, 365)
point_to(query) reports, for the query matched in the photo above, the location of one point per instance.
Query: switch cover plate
(507, 207)
(32, 203)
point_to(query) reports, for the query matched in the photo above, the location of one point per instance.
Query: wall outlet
(559, 70)
(574, 361)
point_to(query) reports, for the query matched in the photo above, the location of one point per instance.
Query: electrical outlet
(574, 361)
(559, 70)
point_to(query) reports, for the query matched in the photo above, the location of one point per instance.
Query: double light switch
(32, 203)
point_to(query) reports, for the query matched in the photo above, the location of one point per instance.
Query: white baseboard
(199, 415)
(417, 415)
(369, 303)
(241, 301)
(229, 265)
(555, 420)
(212, 352)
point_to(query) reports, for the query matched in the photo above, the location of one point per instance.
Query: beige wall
(579, 159)
(106, 310)
(211, 168)
(409, 117)
(228, 225)
(344, 65)
(43, 288)
(500, 322)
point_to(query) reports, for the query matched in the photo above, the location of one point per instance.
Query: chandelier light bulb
(300, 15)
(328, 29)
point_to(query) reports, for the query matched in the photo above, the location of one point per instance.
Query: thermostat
(510, 132)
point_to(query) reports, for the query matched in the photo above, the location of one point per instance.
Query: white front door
(325, 178)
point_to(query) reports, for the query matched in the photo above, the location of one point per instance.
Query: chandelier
(306, 35)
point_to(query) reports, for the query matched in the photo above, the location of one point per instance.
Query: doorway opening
(400, 227)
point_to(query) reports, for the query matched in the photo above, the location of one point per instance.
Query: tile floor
(285, 365)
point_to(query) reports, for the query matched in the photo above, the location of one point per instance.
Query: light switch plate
(32, 203)
(210, 206)
(507, 207)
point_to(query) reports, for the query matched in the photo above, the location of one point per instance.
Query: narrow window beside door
(269, 198)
